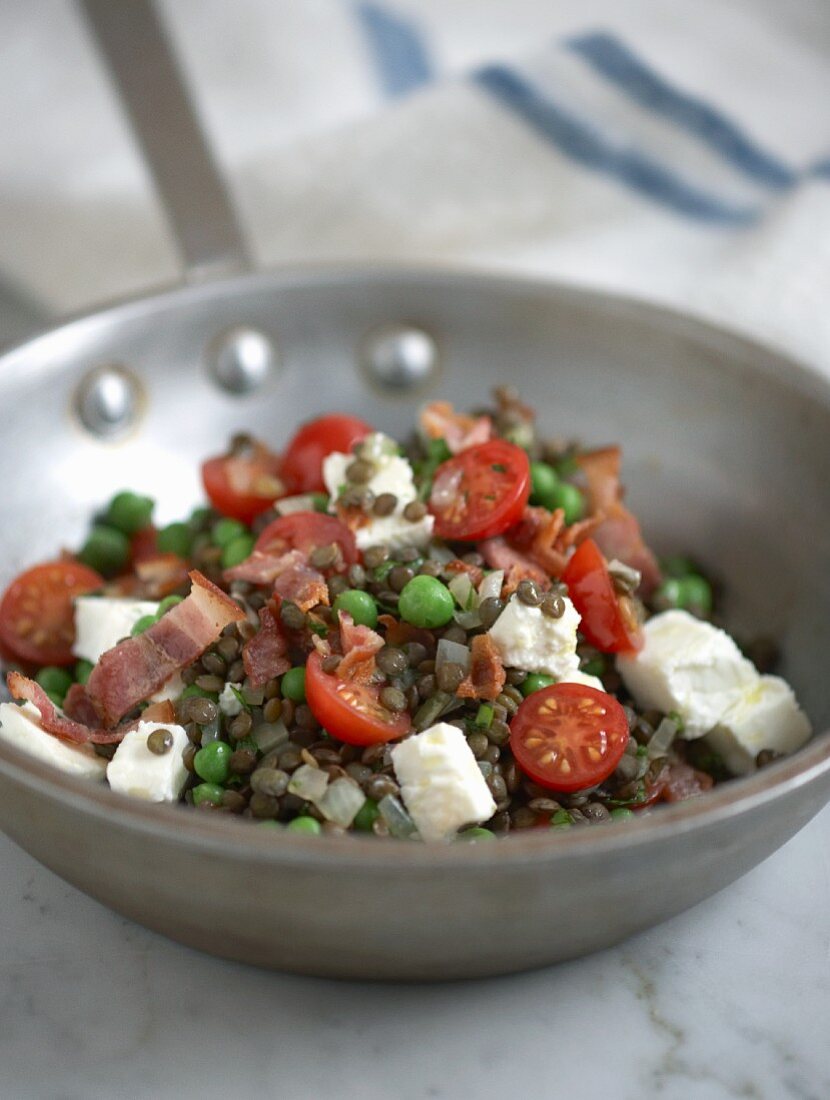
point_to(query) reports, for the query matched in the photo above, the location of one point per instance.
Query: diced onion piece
(302, 503)
(399, 822)
(268, 735)
(462, 589)
(491, 586)
(441, 553)
(452, 653)
(660, 741)
(469, 620)
(341, 802)
(308, 783)
(629, 576)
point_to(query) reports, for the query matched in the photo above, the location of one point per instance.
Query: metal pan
(728, 450)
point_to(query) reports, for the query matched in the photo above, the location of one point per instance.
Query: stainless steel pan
(727, 454)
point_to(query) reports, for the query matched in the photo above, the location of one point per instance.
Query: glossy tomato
(350, 711)
(243, 483)
(36, 614)
(302, 464)
(568, 736)
(480, 492)
(304, 531)
(607, 619)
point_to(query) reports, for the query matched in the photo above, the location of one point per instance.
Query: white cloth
(676, 152)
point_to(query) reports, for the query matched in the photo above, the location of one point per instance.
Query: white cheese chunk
(20, 726)
(688, 666)
(101, 622)
(527, 638)
(136, 771)
(229, 704)
(765, 715)
(395, 532)
(584, 678)
(169, 691)
(441, 784)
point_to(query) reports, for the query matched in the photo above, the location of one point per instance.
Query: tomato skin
(351, 712)
(592, 591)
(480, 492)
(242, 486)
(305, 531)
(583, 730)
(302, 463)
(36, 614)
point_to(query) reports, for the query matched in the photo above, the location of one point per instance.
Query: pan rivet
(400, 357)
(240, 359)
(107, 401)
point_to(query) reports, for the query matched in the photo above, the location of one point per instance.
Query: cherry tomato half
(305, 531)
(568, 736)
(351, 712)
(302, 464)
(36, 613)
(480, 492)
(243, 484)
(605, 623)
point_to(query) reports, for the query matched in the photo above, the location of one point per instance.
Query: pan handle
(136, 50)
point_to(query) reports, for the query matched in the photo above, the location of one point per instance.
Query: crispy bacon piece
(60, 726)
(517, 566)
(360, 644)
(138, 667)
(487, 676)
(263, 567)
(400, 633)
(618, 534)
(439, 420)
(475, 574)
(681, 781)
(537, 548)
(162, 575)
(302, 585)
(266, 654)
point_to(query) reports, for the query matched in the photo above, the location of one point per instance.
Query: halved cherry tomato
(607, 619)
(305, 531)
(243, 483)
(568, 736)
(480, 492)
(36, 614)
(302, 464)
(350, 711)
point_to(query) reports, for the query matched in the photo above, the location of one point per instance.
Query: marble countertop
(731, 999)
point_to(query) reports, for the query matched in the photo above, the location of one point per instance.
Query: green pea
(621, 813)
(476, 834)
(544, 481)
(128, 512)
(106, 550)
(697, 594)
(308, 825)
(535, 681)
(321, 502)
(142, 624)
(226, 530)
(237, 550)
(55, 682)
(569, 499)
(358, 604)
(83, 669)
(212, 762)
(426, 602)
(175, 538)
(366, 816)
(166, 604)
(207, 792)
(293, 684)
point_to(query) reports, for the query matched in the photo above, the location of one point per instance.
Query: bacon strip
(487, 677)
(263, 567)
(499, 554)
(360, 644)
(138, 667)
(439, 420)
(265, 655)
(66, 729)
(302, 585)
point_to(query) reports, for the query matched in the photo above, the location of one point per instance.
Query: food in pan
(458, 636)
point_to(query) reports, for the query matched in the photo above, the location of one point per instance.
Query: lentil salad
(458, 637)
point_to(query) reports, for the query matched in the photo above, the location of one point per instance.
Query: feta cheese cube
(101, 622)
(20, 726)
(441, 784)
(689, 666)
(527, 638)
(395, 532)
(136, 771)
(229, 704)
(584, 678)
(765, 715)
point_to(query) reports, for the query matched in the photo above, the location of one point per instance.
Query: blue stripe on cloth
(618, 64)
(582, 142)
(398, 49)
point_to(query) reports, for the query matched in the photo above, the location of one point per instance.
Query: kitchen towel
(677, 152)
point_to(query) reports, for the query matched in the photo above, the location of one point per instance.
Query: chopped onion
(440, 553)
(445, 488)
(629, 576)
(452, 653)
(210, 731)
(302, 503)
(491, 586)
(268, 735)
(462, 589)
(660, 741)
(469, 620)
(397, 819)
(341, 802)
(308, 783)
